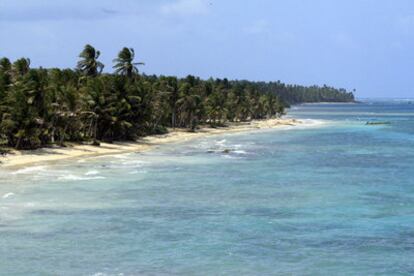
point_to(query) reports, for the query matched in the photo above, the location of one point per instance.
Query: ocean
(332, 198)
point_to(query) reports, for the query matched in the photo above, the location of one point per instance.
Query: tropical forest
(41, 107)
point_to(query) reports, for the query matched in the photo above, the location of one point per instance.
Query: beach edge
(73, 150)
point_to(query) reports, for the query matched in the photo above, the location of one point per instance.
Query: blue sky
(363, 44)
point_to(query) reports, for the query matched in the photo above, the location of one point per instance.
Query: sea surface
(333, 198)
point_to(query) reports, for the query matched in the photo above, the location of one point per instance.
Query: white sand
(24, 158)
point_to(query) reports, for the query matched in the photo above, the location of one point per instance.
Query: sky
(367, 45)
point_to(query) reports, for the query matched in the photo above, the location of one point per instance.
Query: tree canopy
(39, 107)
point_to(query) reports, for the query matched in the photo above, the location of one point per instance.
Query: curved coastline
(18, 159)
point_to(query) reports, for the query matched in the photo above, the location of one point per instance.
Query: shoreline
(330, 103)
(31, 157)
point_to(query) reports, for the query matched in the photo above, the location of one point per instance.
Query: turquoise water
(336, 198)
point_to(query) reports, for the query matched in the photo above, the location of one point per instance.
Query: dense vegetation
(40, 107)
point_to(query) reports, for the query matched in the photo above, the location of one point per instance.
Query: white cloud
(185, 7)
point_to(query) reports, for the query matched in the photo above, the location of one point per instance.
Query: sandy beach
(25, 158)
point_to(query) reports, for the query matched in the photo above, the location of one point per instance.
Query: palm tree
(40, 106)
(5, 65)
(216, 107)
(89, 64)
(124, 64)
(169, 86)
(20, 67)
(189, 106)
(22, 122)
(5, 77)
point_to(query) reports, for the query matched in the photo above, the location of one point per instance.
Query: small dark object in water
(226, 151)
(377, 123)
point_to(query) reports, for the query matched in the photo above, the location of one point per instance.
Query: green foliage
(39, 107)
(125, 64)
(89, 64)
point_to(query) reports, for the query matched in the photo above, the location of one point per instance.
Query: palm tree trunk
(52, 135)
(62, 136)
(173, 118)
(18, 143)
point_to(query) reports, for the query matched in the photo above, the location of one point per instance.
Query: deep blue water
(336, 198)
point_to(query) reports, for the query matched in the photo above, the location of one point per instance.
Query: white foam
(121, 156)
(227, 156)
(134, 162)
(29, 170)
(71, 177)
(139, 172)
(311, 123)
(104, 274)
(128, 164)
(221, 142)
(8, 195)
(92, 173)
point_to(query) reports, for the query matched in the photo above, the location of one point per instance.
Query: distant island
(42, 107)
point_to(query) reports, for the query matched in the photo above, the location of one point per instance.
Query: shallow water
(333, 199)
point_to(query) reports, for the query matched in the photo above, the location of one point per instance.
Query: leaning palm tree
(124, 63)
(89, 64)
